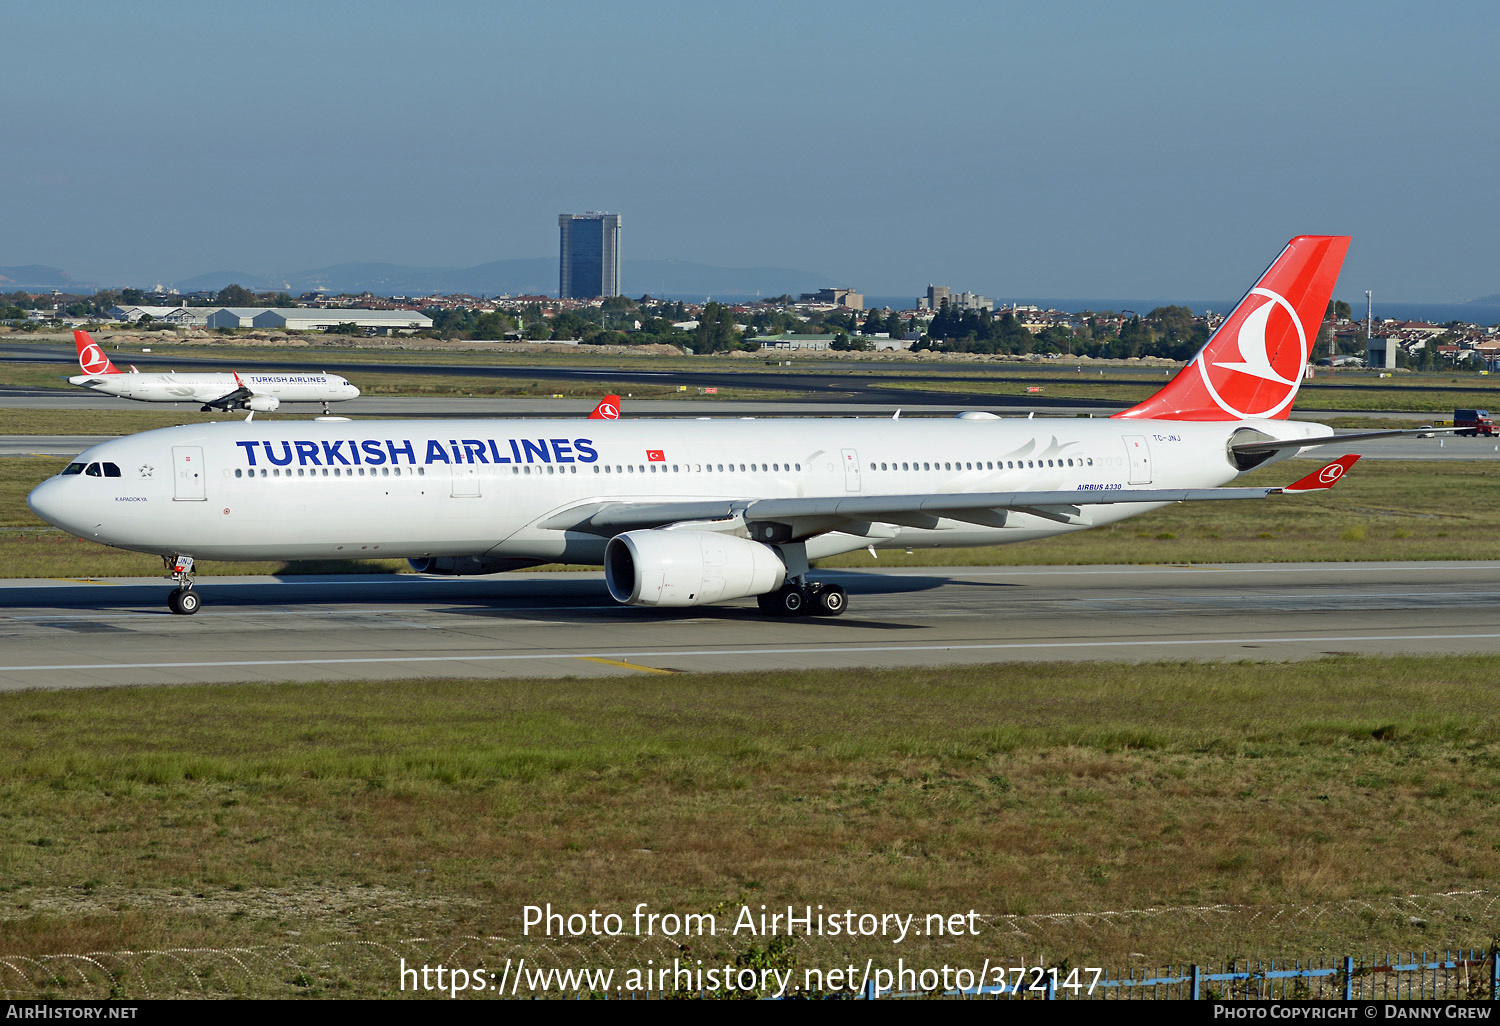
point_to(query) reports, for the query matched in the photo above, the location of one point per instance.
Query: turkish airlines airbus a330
(690, 513)
(258, 393)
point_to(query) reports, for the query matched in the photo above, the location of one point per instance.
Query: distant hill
(36, 277)
(1485, 301)
(525, 276)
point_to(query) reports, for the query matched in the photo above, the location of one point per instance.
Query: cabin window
(239, 473)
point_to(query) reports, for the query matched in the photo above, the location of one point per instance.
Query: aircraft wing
(782, 520)
(232, 400)
(1268, 444)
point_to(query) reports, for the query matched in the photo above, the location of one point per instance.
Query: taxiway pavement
(62, 634)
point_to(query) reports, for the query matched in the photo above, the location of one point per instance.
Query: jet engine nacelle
(688, 568)
(467, 566)
(263, 403)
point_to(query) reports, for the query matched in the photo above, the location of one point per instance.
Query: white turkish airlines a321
(258, 393)
(690, 513)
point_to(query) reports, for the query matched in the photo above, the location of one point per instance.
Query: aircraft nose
(46, 501)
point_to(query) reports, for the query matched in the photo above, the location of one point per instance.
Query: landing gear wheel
(184, 602)
(831, 601)
(791, 601)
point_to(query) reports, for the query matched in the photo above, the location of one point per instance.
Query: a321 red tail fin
(91, 359)
(1251, 368)
(608, 409)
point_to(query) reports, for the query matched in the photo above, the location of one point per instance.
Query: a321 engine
(263, 403)
(688, 568)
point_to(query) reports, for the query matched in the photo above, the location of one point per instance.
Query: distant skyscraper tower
(589, 255)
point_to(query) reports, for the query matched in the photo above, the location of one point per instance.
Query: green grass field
(306, 816)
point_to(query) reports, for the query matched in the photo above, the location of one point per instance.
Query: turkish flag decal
(655, 456)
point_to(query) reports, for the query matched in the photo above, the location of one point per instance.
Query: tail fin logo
(1331, 473)
(608, 409)
(1277, 374)
(92, 359)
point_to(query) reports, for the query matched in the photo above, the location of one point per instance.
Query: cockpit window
(111, 469)
(71, 469)
(94, 470)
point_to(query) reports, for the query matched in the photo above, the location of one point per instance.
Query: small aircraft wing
(231, 400)
(782, 520)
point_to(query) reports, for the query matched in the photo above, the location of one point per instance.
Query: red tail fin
(608, 409)
(91, 359)
(1253, 365)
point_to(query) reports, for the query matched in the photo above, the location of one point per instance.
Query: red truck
(1473, 422)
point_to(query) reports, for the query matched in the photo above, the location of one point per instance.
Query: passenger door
(188, 478)
(1139, 455)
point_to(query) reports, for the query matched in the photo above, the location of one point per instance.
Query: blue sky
(1061, 149)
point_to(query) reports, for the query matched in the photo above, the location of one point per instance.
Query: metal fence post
(1348, 977)
(1197, 977)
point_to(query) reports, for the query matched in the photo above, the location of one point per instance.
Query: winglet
(608, 409)
(91, 359)
(1325, 477)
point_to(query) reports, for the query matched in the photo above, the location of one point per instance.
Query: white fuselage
(411, 489)
(170, 387)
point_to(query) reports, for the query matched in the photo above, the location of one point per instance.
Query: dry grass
(166, 817)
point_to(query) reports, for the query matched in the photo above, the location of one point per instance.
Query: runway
(65, 634)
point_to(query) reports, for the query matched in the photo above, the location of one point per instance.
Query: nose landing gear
(183, 601)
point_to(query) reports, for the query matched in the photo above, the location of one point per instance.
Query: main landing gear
(183, 601)
(804, 598)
